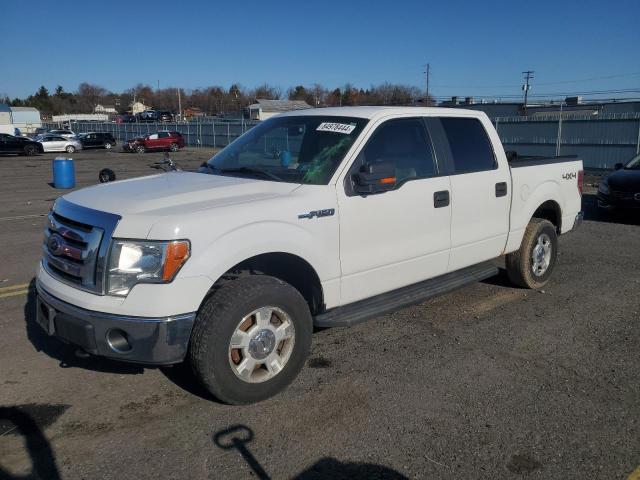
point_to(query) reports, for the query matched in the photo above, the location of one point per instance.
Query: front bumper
(152, 341)
(623, 200)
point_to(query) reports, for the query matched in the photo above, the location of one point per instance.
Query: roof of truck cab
(371, 112)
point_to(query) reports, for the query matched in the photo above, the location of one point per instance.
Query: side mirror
(375, 178)
(618, 166)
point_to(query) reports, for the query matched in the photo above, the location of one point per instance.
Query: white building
(263, 109)
(26, 119)
(102, 109)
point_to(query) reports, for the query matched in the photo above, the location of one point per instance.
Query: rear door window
(470, 146)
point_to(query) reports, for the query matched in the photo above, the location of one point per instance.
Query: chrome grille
(76, 242)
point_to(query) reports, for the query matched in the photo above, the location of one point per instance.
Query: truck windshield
(296, 149)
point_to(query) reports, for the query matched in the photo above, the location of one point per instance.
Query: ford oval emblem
(54, 244)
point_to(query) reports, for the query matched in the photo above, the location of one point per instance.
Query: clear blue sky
(474, 47)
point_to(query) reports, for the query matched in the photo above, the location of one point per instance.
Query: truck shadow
(238, 437)
(64, 353)
(593, 213)
(18, 420)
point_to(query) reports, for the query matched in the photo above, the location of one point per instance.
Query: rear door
(480, 191)
(164, 140)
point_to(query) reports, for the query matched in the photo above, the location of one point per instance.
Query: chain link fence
(196, 134)
(600, 140)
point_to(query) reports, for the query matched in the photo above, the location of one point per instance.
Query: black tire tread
(216, 305)
(517, 263)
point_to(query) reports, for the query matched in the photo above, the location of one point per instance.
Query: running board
(384, 303)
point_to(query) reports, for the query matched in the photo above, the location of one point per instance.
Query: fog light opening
(118, 341)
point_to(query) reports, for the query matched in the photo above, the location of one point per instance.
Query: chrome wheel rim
(261, 344)
(541, 255)
(70, 149)
(107, 146)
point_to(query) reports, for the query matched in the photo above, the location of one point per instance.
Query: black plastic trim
(384, 303)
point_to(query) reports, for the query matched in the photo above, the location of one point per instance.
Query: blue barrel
(64, 173)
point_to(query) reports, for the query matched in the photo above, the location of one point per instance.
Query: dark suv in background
(97, 140)
(155, 116)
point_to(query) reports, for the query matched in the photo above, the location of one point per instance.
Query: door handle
(441, 199)
(501, 189)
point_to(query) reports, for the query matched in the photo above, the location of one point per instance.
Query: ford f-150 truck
(321, 217)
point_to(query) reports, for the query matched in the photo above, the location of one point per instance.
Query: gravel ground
(488, 382)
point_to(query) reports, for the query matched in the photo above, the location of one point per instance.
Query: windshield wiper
(250, 170)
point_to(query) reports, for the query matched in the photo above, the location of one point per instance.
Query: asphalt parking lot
(488, 382)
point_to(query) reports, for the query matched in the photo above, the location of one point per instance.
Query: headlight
(603, 187)
(132, 262)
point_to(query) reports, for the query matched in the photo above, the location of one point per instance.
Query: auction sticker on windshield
(336, 127)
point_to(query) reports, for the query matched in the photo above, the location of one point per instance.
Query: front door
(399, 237)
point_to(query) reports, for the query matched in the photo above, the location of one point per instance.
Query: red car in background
(163, 140)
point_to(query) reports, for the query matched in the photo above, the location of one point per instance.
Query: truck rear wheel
(250, 340)
(532, 264)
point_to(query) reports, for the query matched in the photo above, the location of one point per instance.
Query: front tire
(174, 147)
(250, 340)
(141, 149)
(108, 146)
(70, 149)
(532, 264)
(30, 150)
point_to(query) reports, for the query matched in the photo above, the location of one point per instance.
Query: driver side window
(403, 143)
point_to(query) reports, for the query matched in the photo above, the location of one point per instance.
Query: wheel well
(550, 210)
(287, 267)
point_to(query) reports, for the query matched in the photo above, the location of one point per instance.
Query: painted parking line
(635, 475)
(14, 290)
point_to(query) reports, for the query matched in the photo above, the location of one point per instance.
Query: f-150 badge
(318, 213)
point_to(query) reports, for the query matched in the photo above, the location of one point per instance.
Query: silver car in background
(57, 143)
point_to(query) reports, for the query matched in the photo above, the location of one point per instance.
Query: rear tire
(108, 146)
(174, 147)
(265, 363)
(30, 150)
(532, 264)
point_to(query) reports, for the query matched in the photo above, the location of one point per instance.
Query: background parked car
(155, 116)
(97, 140)
(621, 189)
(63, 133)
(125, 119)
(19, 145)
(163, 140)
(58, 143)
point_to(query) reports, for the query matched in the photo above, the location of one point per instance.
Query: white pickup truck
(321, 217)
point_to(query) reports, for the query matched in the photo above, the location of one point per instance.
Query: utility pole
(179, 105)
(528, 75)
(427, 74)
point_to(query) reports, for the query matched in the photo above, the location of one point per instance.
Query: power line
(605, 77)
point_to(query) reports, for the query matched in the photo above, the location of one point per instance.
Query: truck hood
(175, 193)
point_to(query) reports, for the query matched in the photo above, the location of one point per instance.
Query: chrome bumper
(153, 341)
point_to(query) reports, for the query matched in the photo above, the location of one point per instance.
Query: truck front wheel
(532, 264)
(250, 339)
